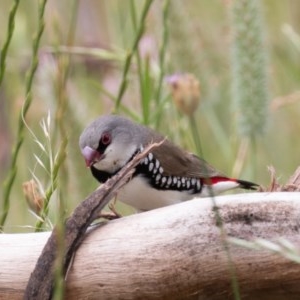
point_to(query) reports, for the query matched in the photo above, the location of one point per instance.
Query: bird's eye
(105, 138)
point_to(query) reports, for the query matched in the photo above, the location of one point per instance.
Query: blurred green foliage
(82, 54)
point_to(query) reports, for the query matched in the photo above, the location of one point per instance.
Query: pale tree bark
(176, 252)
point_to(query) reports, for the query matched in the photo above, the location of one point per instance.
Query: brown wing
(178, 162)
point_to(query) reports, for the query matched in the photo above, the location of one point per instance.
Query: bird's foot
(114, 211)
(112, 215)
(109, 216)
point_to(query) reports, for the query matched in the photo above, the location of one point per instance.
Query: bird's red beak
(91, 155)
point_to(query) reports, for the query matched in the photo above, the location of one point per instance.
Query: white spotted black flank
(151, 168)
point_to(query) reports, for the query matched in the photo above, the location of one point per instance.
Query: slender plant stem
(219, 221)
(60, 157)
(57, 162)
(129, 55)
(10, 31)
(163, 48)
(162, 54)
(21, 123)
(139, 64)
(253, 142)
(109, 95)
(59, 280)
(196, 135)
(59, 167)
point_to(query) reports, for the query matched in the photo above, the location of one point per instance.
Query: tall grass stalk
(163, 48)
(130, 54)
(63, 116)
(133, 115)
(218, 218)
(142, 74)
(59, 280)
(162, 56)
(10, 31)
(51, 168)
(55, 164)
(21, 122)
(186, 96)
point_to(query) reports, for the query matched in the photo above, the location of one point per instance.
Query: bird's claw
(109, 216)
(114, 211)
(112, 215)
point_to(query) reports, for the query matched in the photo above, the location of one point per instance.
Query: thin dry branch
(40, 285)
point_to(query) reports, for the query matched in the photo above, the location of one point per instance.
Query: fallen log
(176, 252)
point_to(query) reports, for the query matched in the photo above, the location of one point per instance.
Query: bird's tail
(247, 185)
(243, 184)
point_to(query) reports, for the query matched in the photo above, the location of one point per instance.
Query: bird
(166, 176)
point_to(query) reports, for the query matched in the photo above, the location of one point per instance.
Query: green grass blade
(10, 31)
(21, 123)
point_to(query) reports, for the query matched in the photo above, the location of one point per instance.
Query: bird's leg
(112, 208)
(113, 214)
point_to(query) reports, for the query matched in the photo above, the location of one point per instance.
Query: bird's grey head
(110, 141)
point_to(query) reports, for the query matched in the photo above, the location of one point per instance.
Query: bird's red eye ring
(105, 138)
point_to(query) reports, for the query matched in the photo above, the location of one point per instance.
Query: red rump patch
(241, 183)
(216, 179)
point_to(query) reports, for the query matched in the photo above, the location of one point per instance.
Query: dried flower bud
(32, 195)
(185, 90)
